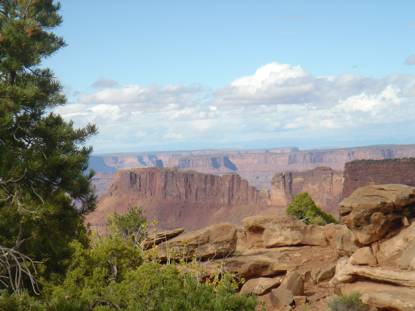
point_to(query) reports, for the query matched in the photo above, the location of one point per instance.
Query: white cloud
(276, 100)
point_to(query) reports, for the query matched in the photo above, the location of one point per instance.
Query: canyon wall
(368, 172)
(256, 166)
(177, 198)
(323, 184)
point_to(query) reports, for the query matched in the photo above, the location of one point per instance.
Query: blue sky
(164, 75)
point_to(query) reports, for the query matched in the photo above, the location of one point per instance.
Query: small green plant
(304, 208)
(349, 302)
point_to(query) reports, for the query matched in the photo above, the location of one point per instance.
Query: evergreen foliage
(131, 225)
(45, 191)
(44, 187)
(304, 208)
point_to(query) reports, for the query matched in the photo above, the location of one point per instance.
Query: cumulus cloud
(276, 101)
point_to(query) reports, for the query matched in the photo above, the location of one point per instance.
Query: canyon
(258, 167)
(188, 198)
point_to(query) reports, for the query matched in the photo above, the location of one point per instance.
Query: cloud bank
(278, 104)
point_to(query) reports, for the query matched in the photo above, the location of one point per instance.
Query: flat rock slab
(216, 241)
(260, 286)
(347, 272)
(271, 262)
(279, 231)
(160, 237)
(383, 296)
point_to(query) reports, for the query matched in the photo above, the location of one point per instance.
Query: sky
(180, 75)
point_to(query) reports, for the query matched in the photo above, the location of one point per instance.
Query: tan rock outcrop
(373, 212)
(363, 256)
(159, 237)
(347, 272)
(274, 231)
(260, 286)
(320, 274)
(294, 282)
(341, 238)
(389, 251)
(281, 298)
(382, 296)
(247, 267)
(216, 241)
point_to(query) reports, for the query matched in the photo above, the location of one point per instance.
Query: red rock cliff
(180, 198)
(323, 184)
(368, 172)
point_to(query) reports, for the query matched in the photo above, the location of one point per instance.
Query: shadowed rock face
(180, 198)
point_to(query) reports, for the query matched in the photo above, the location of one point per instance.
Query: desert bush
(304, 208)
(111, 275)
(349, 302)
(131, 225)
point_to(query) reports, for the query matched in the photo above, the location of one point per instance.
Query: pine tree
(44, 185)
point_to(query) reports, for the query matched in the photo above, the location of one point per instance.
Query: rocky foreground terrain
(293, 266)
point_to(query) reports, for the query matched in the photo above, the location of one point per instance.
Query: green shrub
(304, 208)
(131, 225)
(19, 302)
(111, 275)
(350, 302)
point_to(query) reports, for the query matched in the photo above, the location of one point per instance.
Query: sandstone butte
(177, 198)
(293, 266)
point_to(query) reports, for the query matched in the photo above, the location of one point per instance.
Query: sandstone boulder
(159, 237)
(282, 298)
(216, 241)
(294, 282)
(363, 256)
(374, 211)
(277, 231)
(260, 286)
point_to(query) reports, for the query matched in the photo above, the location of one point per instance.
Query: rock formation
(323, 184)
(256, 166)
(180, 198)
(310, 265)
(372, 212)
(381, 218)
(371, 172)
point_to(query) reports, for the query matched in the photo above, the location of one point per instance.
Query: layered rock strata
(177, 198)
